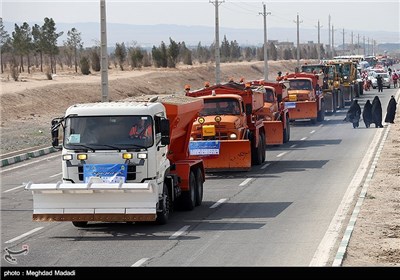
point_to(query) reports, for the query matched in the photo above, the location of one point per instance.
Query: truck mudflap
(274, 132)
(302, 110)
(233, 155)
(102, 202)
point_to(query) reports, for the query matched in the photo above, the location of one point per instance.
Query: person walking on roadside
(391, 110)
(377, 112)
(395, 77)
(367, 114)
(354, 113)
(379, 82)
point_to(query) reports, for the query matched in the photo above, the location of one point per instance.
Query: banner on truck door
(204, 148)
(107, 173)
(290, 105)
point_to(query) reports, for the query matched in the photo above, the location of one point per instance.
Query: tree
(50, 37)
(136, 55)
(173, 53)
(157, 56)
(4, 43)
(74, 42)
(22, 42)
(273, 53)
(235, 51)
(38, 42)
(120, 54)
(164, 55)
(225, 50)
(95, 55)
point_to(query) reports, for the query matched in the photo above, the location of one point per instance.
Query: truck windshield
(220, 106)
(300, 84)
(108, 132)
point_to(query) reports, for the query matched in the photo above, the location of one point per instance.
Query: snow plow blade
(102, 202)
(234, 155)
(273, 132)
(303, 110)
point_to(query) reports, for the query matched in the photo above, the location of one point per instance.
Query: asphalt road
(275, 215)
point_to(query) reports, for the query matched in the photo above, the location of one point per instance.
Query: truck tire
(263, 147)
(188, 198)
(165, 207)
(199, 187)
(256, 154)
(321, 112)
(286, 131)
(80, 224)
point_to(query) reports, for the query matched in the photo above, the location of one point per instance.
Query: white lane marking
(304, 138)
(23, 235)
(14, 189)
(218, 203)
(29, 163)
(294, 145)
(265, 165)
(55, 175)
(245, 182)
(312, 131)
(139, 262)
(179, 232)
(281, 154)
(327, 119)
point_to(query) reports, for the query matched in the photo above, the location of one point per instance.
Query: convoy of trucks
(108, 175)
(111, 174)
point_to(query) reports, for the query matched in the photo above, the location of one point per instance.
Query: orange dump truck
(305, 99)
(274, 114)
(228, 135)
(109, 176)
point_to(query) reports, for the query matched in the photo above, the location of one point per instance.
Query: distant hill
(149, 35)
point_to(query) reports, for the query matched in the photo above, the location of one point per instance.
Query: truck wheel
(164, 207)
(188, 198)
(286, 131)
(199, 187)
(256, 155)
(263, 148)
(321, 112)
(80, 224)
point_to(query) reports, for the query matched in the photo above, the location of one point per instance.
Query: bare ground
(29, 105)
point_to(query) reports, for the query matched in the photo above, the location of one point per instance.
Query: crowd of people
(372, 112)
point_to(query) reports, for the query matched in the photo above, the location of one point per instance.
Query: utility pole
(368, 47)
(329, 31)
(358, 43)
(333, 35)
(104, 56)
(319, 47)
(343, 40)
(352, 45)
(365, 52)
(217, 56)
(298, 40)
(264, 14)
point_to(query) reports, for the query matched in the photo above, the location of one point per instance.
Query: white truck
(110, 176)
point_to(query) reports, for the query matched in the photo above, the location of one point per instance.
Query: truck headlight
(81, 156)
(191, 138)
(127, 156)
(142, 156)
(67, 157)
(233, 136)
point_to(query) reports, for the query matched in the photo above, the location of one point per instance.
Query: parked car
(387, 80)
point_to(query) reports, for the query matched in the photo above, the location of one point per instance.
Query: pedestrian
(377, 112)
(279, 77)
(367, 114)
(391, 110)
(354, 113)
(395, 77)
(379, 81)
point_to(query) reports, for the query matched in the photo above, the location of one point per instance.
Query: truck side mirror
(164, 128)
(54, 133)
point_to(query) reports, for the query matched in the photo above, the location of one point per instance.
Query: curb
(28, 155)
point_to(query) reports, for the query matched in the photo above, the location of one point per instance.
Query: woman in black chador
(367, 113)
(391, 110)
(354, 113)
(377, 112)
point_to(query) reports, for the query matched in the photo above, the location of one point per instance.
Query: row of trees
(37, 46)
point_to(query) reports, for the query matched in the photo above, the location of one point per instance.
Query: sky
(352, 16)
